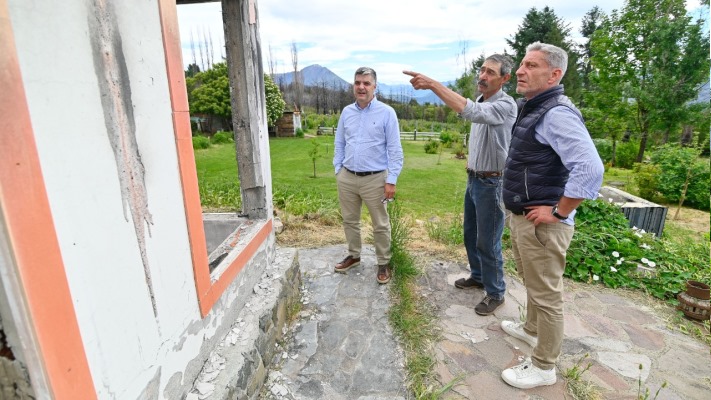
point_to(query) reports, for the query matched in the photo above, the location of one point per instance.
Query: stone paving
(342, 346)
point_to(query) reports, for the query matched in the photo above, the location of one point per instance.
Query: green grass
(425, 188)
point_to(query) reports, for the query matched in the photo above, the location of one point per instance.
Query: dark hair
(505, 63)
(367, 71)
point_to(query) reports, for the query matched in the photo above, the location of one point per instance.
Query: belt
(519, 212)
(363, 173)
(484, 174)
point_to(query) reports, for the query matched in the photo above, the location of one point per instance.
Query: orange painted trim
(33, 239)
(237, 265)
(208, 293)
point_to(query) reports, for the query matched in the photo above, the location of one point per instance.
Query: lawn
(430, 184)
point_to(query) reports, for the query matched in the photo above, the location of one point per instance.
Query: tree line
(635, 75)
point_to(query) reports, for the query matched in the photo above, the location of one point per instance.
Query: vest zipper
(525, 182)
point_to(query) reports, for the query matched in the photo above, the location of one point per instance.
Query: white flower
(652, 264)
(638, 234)
(615, 254)
(610, 199)
(596, 278)
(644, 260)
(642, 231)
(619, 262)
(613, 269)
(634, 228)
(645, 246)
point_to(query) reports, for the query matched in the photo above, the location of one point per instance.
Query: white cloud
(389, 35)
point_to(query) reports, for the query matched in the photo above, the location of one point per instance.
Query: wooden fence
(415, 135)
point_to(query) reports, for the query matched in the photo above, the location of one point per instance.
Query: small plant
(645, 395)
(314, 153)
(221, 137)
(200, 142)
(459, 150)
(449, 232)
(576, 386)
(432, 146)
(299, 133)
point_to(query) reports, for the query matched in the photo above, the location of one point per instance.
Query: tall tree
(298, 88)
(652, 54)
(545, 26)
(591, 23)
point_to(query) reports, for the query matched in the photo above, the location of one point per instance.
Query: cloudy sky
(435, 37)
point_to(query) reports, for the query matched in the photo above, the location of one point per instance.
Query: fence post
(414, 135)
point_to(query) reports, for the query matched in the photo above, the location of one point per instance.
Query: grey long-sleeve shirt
(492, 120)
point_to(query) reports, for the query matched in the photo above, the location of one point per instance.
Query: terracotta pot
(698, 290)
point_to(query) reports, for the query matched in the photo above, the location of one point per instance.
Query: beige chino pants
(539, 252)
(353, 191)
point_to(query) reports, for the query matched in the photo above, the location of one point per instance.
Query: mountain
(316, 75)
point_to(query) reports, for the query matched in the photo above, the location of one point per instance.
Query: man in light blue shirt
(551, 168)
(367, 159)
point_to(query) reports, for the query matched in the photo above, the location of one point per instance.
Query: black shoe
(468, 283)
(488, 305)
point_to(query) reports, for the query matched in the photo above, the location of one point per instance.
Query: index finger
(411, 73)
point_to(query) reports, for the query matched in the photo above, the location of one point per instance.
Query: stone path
(342, 346)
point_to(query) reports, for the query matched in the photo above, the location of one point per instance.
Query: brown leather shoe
(347, 263)
(384, 273)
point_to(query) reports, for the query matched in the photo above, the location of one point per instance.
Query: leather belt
(366, 173)
(484, 174)
(517, 212)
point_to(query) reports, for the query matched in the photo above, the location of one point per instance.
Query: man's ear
(506, 78)
(556, 75)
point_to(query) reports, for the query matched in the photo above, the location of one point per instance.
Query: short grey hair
(505, 62)
(367, 71)
(555, 56)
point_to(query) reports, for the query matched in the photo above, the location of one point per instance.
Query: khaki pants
(353, 191)
(540, 260)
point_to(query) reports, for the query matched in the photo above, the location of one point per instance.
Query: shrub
(200, 142)
(221, 137)
(626, 154)
(432, 146)
(646, 176)
(459, 150)
(448, 139)
(675, 163)
(299, 133)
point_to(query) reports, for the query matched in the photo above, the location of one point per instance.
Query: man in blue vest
(552, 167)
(492, 115)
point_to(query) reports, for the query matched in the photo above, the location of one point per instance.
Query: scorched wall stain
(115, 87)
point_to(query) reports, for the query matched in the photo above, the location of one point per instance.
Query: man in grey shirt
(492, 116)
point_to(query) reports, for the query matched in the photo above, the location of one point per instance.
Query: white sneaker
(526, 376)
(516, 330)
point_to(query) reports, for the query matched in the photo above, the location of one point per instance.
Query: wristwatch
(554, 211)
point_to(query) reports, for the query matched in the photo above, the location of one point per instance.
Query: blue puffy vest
(534, 173)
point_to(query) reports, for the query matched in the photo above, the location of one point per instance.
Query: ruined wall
(98, 95)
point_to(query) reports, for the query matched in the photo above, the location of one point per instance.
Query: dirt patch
(689, 218)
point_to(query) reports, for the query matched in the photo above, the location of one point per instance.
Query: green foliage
(545, 26)
(299, 133)
(209, 92)
(447, 232)
(459, 150)
(448, 138)
(304, 201)
(675, 163)
(626, 154)
(646, 176)
(432, 146)
(651, 56)
(223, 194)
(275, 103)
(222, 137)
(200, 142)
(604, 249)
(314, 153)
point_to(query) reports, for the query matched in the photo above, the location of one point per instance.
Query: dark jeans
(483, 227)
